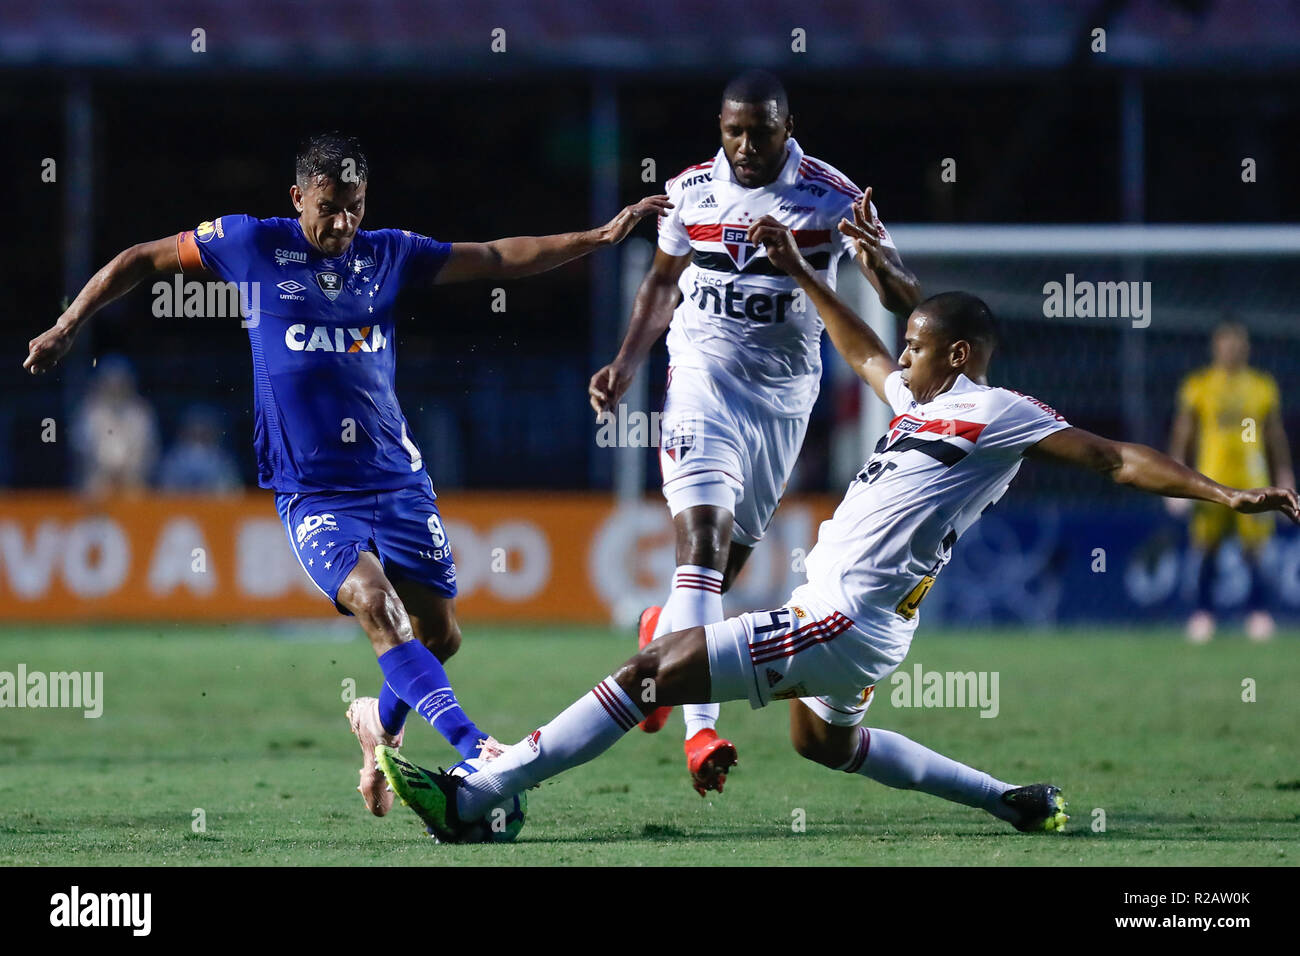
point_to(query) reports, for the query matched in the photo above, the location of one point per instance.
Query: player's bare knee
(376, 607)
(450, 643)
(443, 640)
(641, 667)
(817, 750)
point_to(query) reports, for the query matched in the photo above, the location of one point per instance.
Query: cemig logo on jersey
(331, 283)
(285, 256)
(735, 239)
(323, 338)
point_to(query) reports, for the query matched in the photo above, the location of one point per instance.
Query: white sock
(898, 762)
(696, 600)
(665, 623)
(589, 727)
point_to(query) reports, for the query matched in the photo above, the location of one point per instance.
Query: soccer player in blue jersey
(351, 488)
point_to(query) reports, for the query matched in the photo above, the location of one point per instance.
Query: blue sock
(392, 709)
(415, 676)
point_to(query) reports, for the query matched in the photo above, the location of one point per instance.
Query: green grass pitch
(249, 728)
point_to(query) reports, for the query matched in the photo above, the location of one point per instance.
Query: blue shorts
(328, 530)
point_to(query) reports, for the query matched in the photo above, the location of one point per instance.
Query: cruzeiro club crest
(330, 283)
(735, 240)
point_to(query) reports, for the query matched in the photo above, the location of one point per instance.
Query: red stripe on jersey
(688, 169)
(705, 232)
(824, 172)
(812, 237)
(948, 427)
(839, 189)
(712, 232)
(835, 182)
(954, 428)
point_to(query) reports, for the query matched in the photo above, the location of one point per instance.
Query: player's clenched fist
(617, 229)
(779, 241)
(47, 349)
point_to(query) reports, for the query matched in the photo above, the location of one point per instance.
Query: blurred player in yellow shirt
(1230, 416)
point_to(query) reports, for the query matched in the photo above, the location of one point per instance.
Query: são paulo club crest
(904, 426)
(679, 445)
(735, 241)
(330, 283)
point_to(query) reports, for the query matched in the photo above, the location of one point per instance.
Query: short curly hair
(335, 156)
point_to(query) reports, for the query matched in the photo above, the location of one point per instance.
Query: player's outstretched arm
(852, 337)
(1146, 469)
(656, 298)
(123, 273)
(899, 290)
(521, 256)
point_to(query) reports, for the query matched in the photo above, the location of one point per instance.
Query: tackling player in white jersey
(745, 358)
(951, 450)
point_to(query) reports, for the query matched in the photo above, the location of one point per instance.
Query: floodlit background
(1042, 128)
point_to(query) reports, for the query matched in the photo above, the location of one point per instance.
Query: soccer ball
(502, 823)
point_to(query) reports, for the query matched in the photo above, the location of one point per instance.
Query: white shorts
(719, 447)
(806, 650)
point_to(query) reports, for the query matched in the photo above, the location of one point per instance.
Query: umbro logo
(289, 286)
(774, 677)
(708, 202)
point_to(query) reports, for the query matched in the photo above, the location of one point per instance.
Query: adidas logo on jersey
(708, 202)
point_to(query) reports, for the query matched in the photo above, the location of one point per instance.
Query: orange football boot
(708, 758)
(645, 633)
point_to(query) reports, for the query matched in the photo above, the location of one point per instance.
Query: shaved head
(960, 316)
(757, 87)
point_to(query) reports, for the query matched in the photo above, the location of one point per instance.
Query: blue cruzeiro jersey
(324, 349)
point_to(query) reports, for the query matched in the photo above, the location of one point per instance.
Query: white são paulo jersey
(739, 318)
(932, 474)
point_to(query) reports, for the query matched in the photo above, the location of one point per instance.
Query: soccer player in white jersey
(951, 450)
(745, 360)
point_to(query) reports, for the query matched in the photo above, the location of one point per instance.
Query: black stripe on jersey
(758, 266)
(937, 449)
